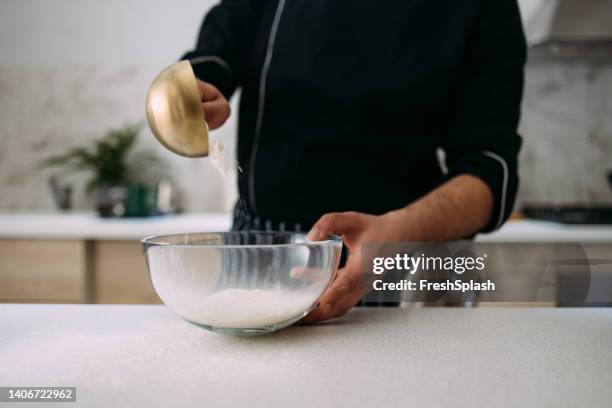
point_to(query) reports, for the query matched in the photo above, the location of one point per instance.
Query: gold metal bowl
(174, 111)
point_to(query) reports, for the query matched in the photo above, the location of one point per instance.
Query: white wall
(71, 69)
(115, 32)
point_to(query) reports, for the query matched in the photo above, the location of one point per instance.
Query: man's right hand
(216, 107)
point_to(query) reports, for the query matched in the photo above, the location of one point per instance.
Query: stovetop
(570, 214)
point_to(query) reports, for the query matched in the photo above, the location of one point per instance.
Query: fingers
(307, 274)
(215, 106)
(334, 223)
(343, 294)
(345, 305)
(216, 112)
(208, 92)
(341, 308)
(345, 284)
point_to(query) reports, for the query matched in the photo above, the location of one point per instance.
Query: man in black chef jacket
(345, 107)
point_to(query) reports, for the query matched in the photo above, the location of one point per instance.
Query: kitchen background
(72, 69)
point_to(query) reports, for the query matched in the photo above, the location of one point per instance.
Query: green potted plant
(116, 172)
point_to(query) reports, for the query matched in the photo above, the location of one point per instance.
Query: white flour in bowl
(241, 308)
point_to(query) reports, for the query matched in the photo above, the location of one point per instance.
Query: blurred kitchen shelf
(564, 51)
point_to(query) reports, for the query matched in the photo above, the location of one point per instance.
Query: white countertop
(89, 226)
(546, 231)
(146, 356)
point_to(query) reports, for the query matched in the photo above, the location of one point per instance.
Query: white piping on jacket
(212, 58)
(502, 206)
(262, 97)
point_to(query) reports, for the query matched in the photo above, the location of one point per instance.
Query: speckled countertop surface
(146, 356)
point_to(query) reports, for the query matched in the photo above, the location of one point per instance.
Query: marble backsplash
(44, 110)
(566, 125)
(567, 130)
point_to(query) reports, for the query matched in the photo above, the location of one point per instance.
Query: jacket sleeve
(224, 43)
(482, 138)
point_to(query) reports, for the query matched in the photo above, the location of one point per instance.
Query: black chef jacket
(345, 103)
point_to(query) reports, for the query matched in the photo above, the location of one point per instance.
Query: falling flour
(241, 308)
(220, 159)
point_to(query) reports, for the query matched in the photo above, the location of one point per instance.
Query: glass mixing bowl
(241, 282)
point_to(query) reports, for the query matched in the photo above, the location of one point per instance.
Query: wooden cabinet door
(119, 273)
(42, 271)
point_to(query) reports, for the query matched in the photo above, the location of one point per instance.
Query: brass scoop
(174, 111)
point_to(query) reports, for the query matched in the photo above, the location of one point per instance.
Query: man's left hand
(355, 228)
(458, 208)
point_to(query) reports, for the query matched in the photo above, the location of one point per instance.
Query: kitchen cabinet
(42, 271)
(74, 271)
(119, 274)
(80, 258)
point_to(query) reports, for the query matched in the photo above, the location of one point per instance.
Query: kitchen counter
(146, 356)
(547, 231)
(87, 226)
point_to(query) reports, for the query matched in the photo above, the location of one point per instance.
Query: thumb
(334, 223)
